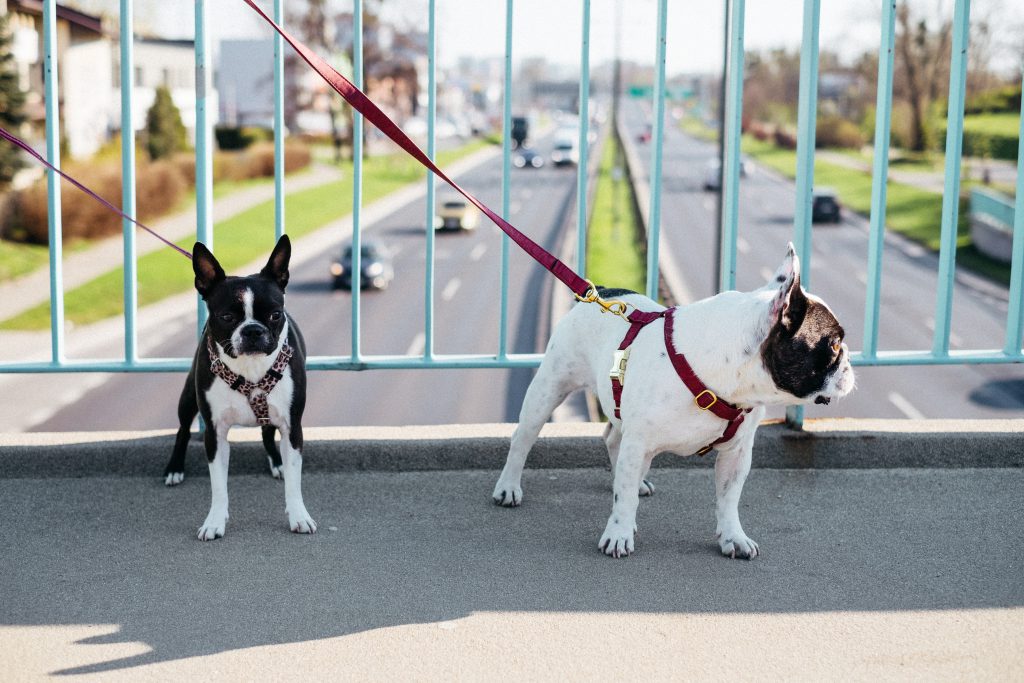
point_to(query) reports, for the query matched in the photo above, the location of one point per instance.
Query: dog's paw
(212, 528)
(507, 495)
(617, 540)
(275, 470)
(737, 545)
(301, 522)
(174, 478)
(646, 488)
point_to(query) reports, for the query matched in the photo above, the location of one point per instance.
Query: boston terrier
(777, 345)
(249, 369)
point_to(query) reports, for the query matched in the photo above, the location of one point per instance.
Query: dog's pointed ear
(208, 271)
(277, 265)
(789, 305)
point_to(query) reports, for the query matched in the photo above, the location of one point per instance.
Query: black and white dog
(777, 345)
(249, 369)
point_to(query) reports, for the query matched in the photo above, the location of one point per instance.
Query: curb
(824, 444)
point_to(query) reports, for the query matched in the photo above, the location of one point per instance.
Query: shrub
(761, 131)
(784, 138)
(165, 133)
(241, 137)
(1005, 99)
(159, 187)
(834, 131)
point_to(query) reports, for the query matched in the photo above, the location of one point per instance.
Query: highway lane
(839, 274)
(392, 322)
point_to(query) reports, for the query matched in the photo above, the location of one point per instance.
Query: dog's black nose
(252, 332)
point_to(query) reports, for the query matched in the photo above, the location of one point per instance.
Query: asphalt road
(466, 276)
(839, 274)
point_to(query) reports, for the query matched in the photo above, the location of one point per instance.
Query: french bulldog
(248, 369)
(777, 345)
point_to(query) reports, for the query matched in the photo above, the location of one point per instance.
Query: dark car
(520, 131)
(527, 158)
(374, 264)
(825, 206)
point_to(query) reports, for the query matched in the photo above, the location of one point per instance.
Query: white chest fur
(229, 407)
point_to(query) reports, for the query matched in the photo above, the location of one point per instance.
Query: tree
(12, 102)
(165, 133)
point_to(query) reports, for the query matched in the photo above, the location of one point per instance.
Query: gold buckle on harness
(707, 449)
(714, 399)
(614, 307)
(618, 371)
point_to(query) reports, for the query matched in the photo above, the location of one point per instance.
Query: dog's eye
(836, 346)
(275, 316)
(227, 317)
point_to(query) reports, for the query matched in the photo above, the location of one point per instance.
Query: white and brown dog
(777, 345)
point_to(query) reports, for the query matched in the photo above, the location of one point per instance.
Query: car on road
(711, 172)
(527, 158)
(825, 206)
(375, 267)
(565, 152)
(454, 212)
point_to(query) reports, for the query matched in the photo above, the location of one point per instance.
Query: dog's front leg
(617, 539)
(218, 453)
(299, 520)
(731, 467)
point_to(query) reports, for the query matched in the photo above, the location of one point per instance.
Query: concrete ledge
(824, 444)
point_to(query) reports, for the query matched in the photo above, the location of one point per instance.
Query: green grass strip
(614, 258)
(237, 240)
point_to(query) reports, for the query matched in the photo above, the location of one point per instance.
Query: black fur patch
(612, 292)
(798, 351)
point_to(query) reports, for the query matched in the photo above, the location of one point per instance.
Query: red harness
(703, 398)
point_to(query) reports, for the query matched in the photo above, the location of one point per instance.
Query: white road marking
(513, 207)
(954, 338)
(419, 343)
(451, 288)
(913, 250)
(478, 251)
(905, 406)
(742, 246)
(862, 277)
(709, 203)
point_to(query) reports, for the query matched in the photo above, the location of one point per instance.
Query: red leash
(25, 146)
(374, 115)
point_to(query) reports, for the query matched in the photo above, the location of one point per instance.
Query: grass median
(237, 241)
(614, 257)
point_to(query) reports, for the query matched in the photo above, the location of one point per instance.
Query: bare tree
(922, 59)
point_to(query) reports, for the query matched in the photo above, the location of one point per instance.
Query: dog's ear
(277, 265)
(789, 305)
(208, 271)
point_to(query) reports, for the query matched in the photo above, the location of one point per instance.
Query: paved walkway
(864, 575)
(82, 266)
(1003, 172)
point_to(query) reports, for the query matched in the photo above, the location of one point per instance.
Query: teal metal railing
(939, 353)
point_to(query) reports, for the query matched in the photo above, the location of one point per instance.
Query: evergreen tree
(165, 133)
(12, 102)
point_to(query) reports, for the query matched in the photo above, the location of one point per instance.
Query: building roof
(88, 22)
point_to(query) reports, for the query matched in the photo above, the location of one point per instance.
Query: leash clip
(614, 307)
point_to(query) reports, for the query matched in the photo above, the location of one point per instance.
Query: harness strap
(703, 398)
(255, 392)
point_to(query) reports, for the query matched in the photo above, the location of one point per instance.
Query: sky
(553, 28)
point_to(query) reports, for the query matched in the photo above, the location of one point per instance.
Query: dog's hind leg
(188, 407)
(547, 390)
(612, 439)
(273, 454)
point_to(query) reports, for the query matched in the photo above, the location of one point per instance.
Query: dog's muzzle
(255, 339)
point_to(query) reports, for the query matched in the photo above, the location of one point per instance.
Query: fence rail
(939, 353)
